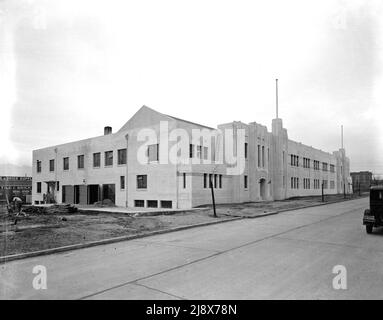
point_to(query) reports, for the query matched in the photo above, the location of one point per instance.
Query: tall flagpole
(276, 95)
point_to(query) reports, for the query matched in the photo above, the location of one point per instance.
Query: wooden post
(212, 194)
(322, 191)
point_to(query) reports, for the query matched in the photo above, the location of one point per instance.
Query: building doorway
(93, 193)
(262, 189)
(50, 196)
(108, 192)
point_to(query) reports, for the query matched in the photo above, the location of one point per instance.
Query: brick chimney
(107, 130)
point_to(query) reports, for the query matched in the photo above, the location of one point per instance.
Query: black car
(373, 217)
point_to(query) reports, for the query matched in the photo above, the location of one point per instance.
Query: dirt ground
(44, 231)
(38, 232)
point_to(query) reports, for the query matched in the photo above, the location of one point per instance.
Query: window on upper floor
(66, 163)
(121, 156)
(38, 166)
(80, 161)
(191, 151)
(245, 150)
(96, 159)
(108, 158)
(52, 165)
(142, 182)
(153, 152)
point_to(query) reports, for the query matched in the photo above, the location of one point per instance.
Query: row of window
(215, 180)
(307, 163)
(153, 203)
(307, 184)
(108, 160)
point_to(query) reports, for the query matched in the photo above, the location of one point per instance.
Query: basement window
(139, 203)
(166, 204)
(152, 203)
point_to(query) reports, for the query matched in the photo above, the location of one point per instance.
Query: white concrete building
(109, 166)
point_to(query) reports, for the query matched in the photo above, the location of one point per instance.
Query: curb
(19, 256)
(139, 213)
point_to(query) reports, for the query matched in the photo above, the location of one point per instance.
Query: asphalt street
(286, 256)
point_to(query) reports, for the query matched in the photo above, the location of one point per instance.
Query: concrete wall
(267, 180)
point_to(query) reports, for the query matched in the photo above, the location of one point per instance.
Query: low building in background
(361, 180)
(11, 186)
(107, 167)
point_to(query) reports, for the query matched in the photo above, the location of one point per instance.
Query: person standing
(18, 205)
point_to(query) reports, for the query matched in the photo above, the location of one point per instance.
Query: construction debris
(53, 209)
(105, 203)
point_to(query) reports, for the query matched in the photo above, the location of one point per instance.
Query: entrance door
(76, 194)
(108, 192)
(93, 193)
(262, 189)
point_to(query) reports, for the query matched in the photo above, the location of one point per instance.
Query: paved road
(286, 256)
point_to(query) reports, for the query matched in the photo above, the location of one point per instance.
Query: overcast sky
(68, 68)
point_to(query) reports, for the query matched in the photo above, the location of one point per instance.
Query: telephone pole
(276, 96)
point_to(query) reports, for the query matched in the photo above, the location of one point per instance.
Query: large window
(38, 187)
(259, 155)
(96, 159)
(108, 158)
(52, 165)
(306, 163)
(66, 163)
(324, 166)
(153, 152)
(38, 166)
(142, 181)
(121, 156)
(122, 182)
(205, 180)
(263, 156)
(294, 160)
(245, 150)
(80, 161)
(332, 168)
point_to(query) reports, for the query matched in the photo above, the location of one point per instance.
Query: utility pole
(212, 194)
(276, 96)
(322, 191)
(344, 190)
